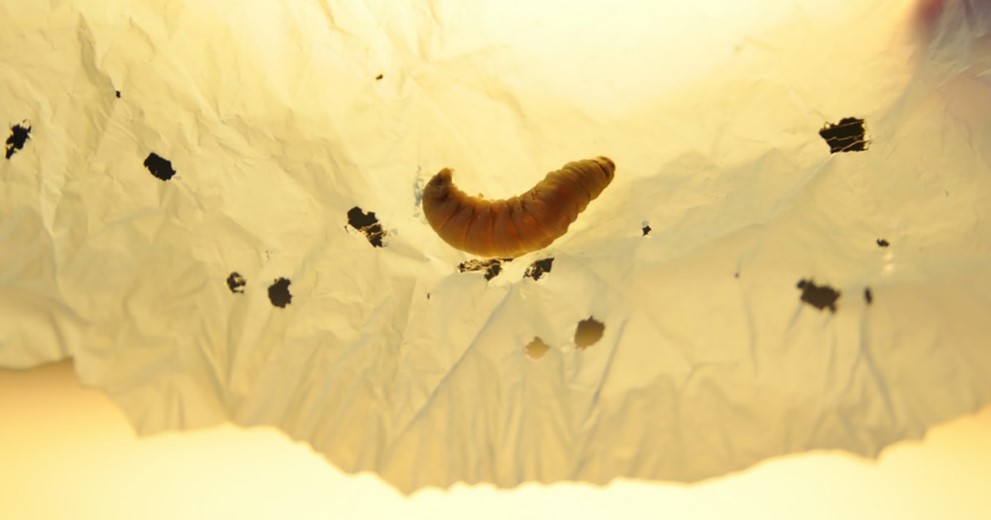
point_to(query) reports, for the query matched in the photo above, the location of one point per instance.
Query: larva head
(608, 168)
(439, 185)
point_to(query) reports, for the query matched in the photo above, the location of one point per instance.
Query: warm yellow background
(67, 452)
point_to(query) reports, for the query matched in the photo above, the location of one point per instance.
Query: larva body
(518, 225)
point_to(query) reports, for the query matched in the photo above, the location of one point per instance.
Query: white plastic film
(213, 207)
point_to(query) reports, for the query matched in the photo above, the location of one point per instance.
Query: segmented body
(518, 225)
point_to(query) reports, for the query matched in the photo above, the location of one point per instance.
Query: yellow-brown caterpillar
(512, 227)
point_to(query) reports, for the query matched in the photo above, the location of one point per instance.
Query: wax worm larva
(511, 227)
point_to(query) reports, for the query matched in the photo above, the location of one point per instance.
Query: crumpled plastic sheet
(213, 208)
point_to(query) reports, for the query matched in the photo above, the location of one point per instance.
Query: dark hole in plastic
(492, 267)
(820, 297)
(19, 135)
(278, 293)
(845, 136)
(538, 268)
(160, 167)
(588, 332)
(367, 224)
(236, 283)
(536, 349)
